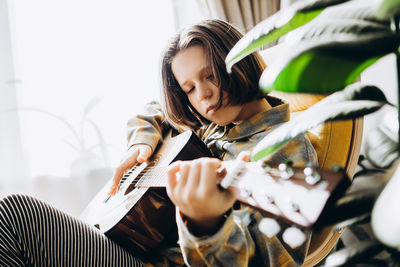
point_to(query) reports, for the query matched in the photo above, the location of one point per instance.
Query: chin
(222, 119)
(221, 123)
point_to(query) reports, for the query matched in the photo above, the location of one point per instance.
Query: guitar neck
(297, 195)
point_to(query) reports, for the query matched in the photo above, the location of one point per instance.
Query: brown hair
(217, 38)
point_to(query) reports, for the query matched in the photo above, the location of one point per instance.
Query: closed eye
(190, 90)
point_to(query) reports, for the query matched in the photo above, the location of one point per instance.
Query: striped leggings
(32, 233)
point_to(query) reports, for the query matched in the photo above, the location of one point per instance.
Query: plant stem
(398, 95)
(395, 28)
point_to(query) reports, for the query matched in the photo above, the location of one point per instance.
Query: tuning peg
(312, 175)
(294, 237)
(269, 227)
(286, 170)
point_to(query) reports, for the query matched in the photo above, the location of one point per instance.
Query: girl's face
(194, 75)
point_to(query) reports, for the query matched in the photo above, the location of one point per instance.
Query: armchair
(336, 143)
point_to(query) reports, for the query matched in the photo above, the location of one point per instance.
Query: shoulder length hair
(217, 38)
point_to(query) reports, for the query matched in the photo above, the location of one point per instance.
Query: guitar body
(140, 217)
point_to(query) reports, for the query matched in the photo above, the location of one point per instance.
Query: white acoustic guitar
(140, 217)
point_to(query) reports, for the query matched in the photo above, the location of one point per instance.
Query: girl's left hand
(193, 187)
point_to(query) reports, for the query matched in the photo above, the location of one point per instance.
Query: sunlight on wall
(70, 53)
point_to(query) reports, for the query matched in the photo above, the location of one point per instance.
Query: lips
(211, 109)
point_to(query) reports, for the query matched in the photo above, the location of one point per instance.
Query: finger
(244, 155)
(115, 183)
(172, 172)
(144, 154)
(113, 189)
(194, 175)
(209, 175)
(183, 175)
(121, 170)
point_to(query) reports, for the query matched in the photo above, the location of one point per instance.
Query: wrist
(205, 226)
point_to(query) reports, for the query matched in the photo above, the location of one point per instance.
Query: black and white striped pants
(32, 233)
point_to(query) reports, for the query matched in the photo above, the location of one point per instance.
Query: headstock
(296, 195)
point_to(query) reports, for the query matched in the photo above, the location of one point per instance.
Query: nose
(204, 92)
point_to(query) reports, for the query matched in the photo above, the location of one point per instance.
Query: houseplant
(332, 42)
(89, 156)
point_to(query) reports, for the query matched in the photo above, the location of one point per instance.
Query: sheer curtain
(84, 67)
(12, 161)
(245, 14)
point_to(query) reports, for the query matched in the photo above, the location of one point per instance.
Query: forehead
(188, 63)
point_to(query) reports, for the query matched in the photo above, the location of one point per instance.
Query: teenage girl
(230, 114)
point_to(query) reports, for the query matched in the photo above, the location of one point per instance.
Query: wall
(13, 165)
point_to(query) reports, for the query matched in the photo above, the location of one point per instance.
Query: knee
(12, 198)
(14, 201)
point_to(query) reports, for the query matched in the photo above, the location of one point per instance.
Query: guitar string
(156, 175)
(151, 171)
(154, 170)
(150, 175)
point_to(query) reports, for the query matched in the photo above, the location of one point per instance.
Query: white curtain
(245, 14)
(83, 69)
(13, 163)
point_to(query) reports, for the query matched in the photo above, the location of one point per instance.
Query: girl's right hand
(136, 154)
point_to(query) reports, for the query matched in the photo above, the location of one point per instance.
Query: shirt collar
(278, 113)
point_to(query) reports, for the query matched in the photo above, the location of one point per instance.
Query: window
(77, 56)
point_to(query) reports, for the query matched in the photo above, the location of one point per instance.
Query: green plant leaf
(381, 143)
(355, 253)
(355, 9)
(342, 21)
(329, 63)
(354, 101)
(388, 9)
(276, 26)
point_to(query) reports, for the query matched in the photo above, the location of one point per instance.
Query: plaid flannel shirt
(236, 243)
